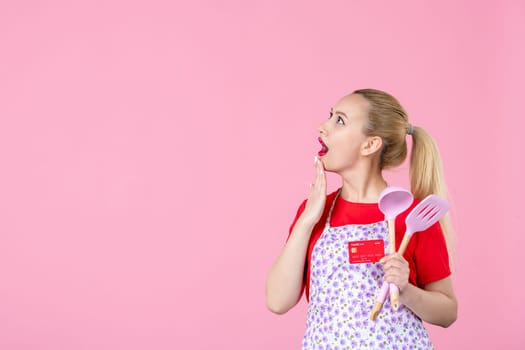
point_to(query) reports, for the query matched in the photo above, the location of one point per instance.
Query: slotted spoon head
(426, 213)
(394, 200)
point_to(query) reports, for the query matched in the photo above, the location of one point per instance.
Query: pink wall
(153, 155)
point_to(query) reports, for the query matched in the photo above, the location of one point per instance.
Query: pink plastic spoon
(393, 201)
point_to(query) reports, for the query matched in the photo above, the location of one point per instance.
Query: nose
(322, 128)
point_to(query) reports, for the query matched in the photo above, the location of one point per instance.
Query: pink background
(153, 155)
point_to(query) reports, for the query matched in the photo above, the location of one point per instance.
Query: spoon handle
(394, 291)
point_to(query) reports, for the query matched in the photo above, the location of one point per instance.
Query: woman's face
(341, 136)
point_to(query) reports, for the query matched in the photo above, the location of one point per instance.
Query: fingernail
(382, 260)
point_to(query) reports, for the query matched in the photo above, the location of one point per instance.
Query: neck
(362, 185)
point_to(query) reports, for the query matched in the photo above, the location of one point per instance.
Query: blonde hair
(389, 120)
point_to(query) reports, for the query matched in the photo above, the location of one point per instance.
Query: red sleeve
(430, 255)
(426, 253)
(299, 212)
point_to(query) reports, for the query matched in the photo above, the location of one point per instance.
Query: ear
(371, 145)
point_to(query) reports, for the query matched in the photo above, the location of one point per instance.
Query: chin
(326, 165)
(333, 168)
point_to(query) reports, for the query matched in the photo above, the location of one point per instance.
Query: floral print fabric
(342, 296)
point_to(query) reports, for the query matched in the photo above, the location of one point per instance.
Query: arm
(435, 303)
(284, 285)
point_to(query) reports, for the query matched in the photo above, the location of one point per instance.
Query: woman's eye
(340, 121)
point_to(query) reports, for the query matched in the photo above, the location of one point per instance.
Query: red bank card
(366, 251)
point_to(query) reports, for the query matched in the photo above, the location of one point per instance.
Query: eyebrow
(339, 112)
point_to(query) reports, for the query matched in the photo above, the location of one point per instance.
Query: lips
(324, 148)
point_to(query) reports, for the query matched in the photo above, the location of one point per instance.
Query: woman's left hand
(396, 270)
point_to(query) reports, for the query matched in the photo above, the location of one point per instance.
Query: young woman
(365, 133)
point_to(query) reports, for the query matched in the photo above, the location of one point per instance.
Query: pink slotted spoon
(429, 211)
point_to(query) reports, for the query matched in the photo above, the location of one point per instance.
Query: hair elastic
(410, 129)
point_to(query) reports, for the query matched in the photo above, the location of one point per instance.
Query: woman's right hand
(317, 198)
(285, 283)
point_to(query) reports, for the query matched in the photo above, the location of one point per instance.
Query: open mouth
(324, 148)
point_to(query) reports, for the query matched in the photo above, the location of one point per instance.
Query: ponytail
(426, 171)
(426, 177)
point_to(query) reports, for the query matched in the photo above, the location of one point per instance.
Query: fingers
(317, 197)
(394, 260)
(318, 188)
(320, 177)
(396, 270)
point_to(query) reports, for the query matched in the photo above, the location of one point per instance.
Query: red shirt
(426, 253)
